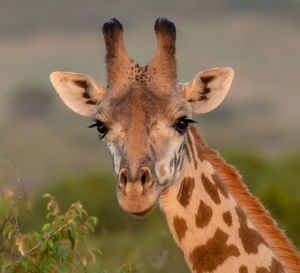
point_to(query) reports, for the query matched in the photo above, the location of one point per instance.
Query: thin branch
(48, 237)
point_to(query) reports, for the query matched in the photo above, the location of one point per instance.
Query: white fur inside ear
(208, 89)
(79, 92)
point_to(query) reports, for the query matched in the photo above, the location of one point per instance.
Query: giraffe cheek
(115, 156)
(164, 173)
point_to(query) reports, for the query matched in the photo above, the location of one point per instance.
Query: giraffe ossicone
(144, 115)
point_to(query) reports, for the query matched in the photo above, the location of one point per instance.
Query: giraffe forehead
(139, 103)
(135, 102)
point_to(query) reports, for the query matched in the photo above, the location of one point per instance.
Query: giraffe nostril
(123, 178)
(145, 176)
(144, 179)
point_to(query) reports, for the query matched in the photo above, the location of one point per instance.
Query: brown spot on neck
(180, 227)
(251, 238)
(275, 267)
(211, 189)
(203, 215)
(185, 192)
(243, 269)
(227, 218)
(206, 258)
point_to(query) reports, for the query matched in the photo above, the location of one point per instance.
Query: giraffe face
(145, 134)
(143, 112)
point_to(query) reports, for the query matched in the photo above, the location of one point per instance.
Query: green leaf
(36, 235)
(50, 243)
(44, 246)
(55, 249)
(46, 227)
(6, 230)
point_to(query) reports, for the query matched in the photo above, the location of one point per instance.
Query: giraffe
(145, 116)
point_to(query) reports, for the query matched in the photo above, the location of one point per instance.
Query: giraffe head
(143, 113)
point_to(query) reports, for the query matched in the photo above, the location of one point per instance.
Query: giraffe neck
(209, 225)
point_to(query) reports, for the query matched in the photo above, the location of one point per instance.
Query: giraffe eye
(101, 128)
(182, 125)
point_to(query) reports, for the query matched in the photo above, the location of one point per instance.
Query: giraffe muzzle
(137, 194)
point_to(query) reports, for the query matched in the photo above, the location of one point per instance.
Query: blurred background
(257, 128)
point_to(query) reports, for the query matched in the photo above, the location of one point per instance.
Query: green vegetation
(145, 244)
(58, 247)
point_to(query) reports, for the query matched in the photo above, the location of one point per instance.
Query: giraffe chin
(140, 210)
(144, 212)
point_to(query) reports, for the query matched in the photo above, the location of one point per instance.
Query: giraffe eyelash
(181, 125)
(101, 128)
(96, 123)
(190, 120)
(185, 119)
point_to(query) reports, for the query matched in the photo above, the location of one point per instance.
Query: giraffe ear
(79, 92)
(208, 89)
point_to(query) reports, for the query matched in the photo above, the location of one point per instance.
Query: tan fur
(260, 217)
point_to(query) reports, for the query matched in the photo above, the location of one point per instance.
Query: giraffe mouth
(144, 212)
(139, 198)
